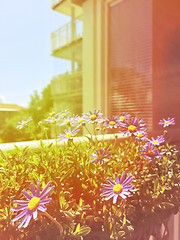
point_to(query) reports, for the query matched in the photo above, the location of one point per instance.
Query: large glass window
(130, 52)
(144, 59)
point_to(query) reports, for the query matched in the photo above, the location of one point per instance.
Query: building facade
(66, 43)
(125, 58)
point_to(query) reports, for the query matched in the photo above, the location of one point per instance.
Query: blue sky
(26, 63)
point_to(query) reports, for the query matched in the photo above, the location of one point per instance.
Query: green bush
(76, 202)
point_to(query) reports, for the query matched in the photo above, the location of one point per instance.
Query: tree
(38, 108)
(40, 105)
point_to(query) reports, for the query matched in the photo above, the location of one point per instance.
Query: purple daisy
(52, 119)
(68, 121)
(123, 116)
(100, 155)
(150, 152)
(32, 204)
(157, 141)
(168, 122)
(62, 114)
(112, 122)
(134, 127)
(69, 134)
(24, 123)
(118, 188)
(93, 117)
(140, 136)
(78, 121)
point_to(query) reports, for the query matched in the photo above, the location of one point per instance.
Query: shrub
(78, 171)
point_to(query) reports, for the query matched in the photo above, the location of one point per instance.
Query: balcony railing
(66, 85)
(67, 34)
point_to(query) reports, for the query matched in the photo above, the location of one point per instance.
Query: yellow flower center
(100, 156)
(140, 135)
(53, 119)
(33, 203)
(151, 153)
(155, 142)
(68, 135)
(111, 122)
(80, 120)
(93, 117)
(132, 128)
(24, 122)
(122, 118)
(166, 122)
(62, 114)
(67, 121)
(118, 188)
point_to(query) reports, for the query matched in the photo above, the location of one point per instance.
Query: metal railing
(66, 34)
(67, 84)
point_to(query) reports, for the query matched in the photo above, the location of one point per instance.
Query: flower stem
(54, 221)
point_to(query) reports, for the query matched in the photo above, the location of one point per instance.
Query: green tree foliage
(10, 133)
(38, 108)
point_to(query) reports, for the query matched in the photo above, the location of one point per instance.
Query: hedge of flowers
(90, 190)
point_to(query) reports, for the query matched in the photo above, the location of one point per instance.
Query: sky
(26, 63)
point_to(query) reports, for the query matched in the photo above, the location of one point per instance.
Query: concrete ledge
(37, 144)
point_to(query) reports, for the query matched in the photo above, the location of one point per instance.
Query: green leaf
(84, 186)
(121, 233)
(62, 201)
(77, 228)
(80, 202)
(124, 220)
(84, 230)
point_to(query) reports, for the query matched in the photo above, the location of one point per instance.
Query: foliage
(38, 108)
(9, 132)
(77, 203)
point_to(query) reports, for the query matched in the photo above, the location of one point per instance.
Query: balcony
(78, 2)
(66, 86)
(65, 7)
(66, 42)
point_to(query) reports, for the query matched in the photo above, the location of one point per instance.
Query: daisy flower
(140, 136)
(52, 119)
(157, 141)
(134, 127)
(117, 188)
(112, 122)
(123, 116)
(100, 155)
(24, 123)
(168, 122)
(63, 113)
(67, 121)
(78, 121)
(69, 134)
(32, 204)
(150, 152)
(93, 117)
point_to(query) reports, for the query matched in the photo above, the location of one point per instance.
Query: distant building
(129, 51)
(7, 111)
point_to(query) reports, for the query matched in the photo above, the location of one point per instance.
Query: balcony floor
(70, 51)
